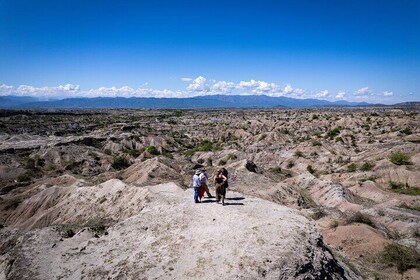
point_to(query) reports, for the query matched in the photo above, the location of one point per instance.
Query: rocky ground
(314, 194)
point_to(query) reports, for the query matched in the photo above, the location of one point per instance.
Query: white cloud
(198, 85)
(25, 90)
(186, 79)
(259, 88)
(363, 91)
(6, 90)
(323, 93)
(223, 87)
(340, 94)
(289, 90)
(194, 87)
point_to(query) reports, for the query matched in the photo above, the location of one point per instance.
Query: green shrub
(367, 166)
(222, 162)
(333, 132)
(134, 152)
(209, 161)
(152, 150)
(120, 163)
(404, 258)
(206, 146)
(231, 156)
(406, 131)
(351, 167)
(290, 164)
(404, 188)
(400, 158)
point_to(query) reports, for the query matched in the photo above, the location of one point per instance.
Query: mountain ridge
(207, 101)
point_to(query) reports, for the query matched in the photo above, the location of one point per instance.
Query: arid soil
(328, 193)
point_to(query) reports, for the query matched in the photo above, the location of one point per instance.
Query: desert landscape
(327, 193)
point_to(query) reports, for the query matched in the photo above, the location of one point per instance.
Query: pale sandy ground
(173, 238)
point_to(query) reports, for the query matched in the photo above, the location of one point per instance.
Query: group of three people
(200, 184)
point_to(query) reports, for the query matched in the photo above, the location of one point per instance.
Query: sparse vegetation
(134, 152)
(318, 214)
(406, 131)
(402, 257)
(367, 166)
(25, 177)
(400, 158)
(409, 207)
(333, 132)
(333, 224)
(352, 167)
(98, 225)
(299, 154)
(360, 218)
(231, 156)
(306, 200)
(310, 169)
(294, 142)
(276, 170)
(316, 143)
(152, 150)
(120, 162)
(404, 188)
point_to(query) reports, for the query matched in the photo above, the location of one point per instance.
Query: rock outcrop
(173, 238)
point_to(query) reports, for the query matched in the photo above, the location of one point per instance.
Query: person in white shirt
(204, 178)
(196, 185)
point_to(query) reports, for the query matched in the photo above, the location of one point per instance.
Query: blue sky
(355, 50)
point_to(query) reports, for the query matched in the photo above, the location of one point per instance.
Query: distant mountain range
(209, 101)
